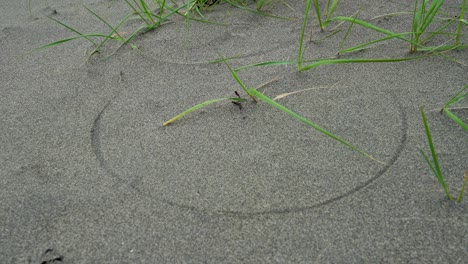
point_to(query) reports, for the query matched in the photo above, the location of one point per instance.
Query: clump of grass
(423, 15)
(253, 93)
(112, 35)
(434, 164)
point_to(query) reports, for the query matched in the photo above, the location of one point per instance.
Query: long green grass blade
(365, 45)
(71, 29)
(369, 26)
(460, 19)
(358, 60)
(456, 119)
(456, 97)
(65, 40)
(317, 11)
(265, 63)
(198, 106)
(309, 123)
(114, 30)
(436, 170)
(146, 11)
(237, 79)
(301, 40)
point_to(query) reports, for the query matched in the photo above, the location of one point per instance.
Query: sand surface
(88, 174)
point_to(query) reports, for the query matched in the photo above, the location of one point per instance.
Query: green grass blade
(136, 11)
(146, 11)
(465, 180)
(456, 97)
(436, 169)
(348, 31)
(460, 19)
(358, 60)
(437, 32)
(331, 9)
(301, 40)
(309, 123)
(365, 45)
(265, 63)
(428, 18)
(237, 79)
(369, 26)
(71, 29)
(109, 36)
(428, 162)
(63, 41)
(317, 11)
(105, 22)
(198, 106)
(456, 119)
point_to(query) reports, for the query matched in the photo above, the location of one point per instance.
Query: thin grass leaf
(358, 60)
(71, 29)
(456, 119)
(198, 106)
(146, 11)
(365, 45)
(309, 123)
(237, 79)
(317, 11)
(136, 11)
(465, 180)
(265, 63)
(110, 36)
(52, 44)
(436, 168)
(369, 26)
(114, 30)
(349, 30)
(331, 9)
(456, 97)
(301, 40)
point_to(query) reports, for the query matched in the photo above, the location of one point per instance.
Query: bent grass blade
(309, 123)
(236, 78)
(198, 106)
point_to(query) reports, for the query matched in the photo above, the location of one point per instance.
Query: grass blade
(309, 123)
(460, 17)
(457, 97)
(465, 180)
(436, 168)
(65, 40)
(456, 119)
(358, 60)
(317, 11)
(198, 106)
(301, 40)
(265, 63)
(237, 79)
(71, 29)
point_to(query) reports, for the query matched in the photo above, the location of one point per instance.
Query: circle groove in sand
(255, 161)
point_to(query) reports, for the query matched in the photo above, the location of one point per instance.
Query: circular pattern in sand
(251, 161)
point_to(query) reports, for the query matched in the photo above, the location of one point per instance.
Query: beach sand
(90, 175)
